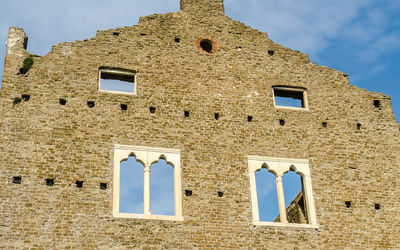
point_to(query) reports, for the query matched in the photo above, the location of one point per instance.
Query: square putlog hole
(103, 186)
(26, 97)
(62, 101)
(49, 182)
(281, 122)
(17, 179)
(90, 104)
(249, 118)
(188, 192)
(324, 124)
(124, 107)
(152, 110)
(216, 116)
(79, 184)
(377, 103)
(187, 113)
(377, 206)
(220, 194)
(271, 52)
(348, 204)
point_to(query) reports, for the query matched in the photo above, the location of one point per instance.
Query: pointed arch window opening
(131, 185)
(165, 165)
(267, 198)
(295, 206)
(300, 211)
(162, 187)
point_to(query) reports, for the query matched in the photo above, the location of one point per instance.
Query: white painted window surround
(279, 166)
(148, 156)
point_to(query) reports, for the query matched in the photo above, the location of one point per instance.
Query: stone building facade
(204, 99)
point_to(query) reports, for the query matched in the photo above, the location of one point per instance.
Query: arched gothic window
(293, 192)
(147, 183)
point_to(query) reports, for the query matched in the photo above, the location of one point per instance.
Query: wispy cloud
(366, 31)
(381, 46)
(303, 25)
(311, 26)
(48, 22)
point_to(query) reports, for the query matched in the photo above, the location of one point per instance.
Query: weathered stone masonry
(352, 143)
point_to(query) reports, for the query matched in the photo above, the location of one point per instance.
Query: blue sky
(358, 37)
(132, 187)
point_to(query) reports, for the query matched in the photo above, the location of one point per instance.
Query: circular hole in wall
(206, 45)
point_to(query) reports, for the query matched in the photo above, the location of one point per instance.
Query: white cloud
(366, 30)
(309, 26)
(49, 22)
(302, 25)
(373, 50)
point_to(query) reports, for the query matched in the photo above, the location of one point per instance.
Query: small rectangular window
(117, 80)
(288, 97)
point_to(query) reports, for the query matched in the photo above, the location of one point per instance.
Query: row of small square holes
(348, 205)
(325, 124)
(152, 110)
(103, 186)
(50, 182)
(178, 40)
(377, 104)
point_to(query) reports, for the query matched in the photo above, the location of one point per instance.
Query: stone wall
(41, 139)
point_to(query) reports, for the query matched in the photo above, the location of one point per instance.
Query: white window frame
(148, 156)
(118, 72)
(291, 89)
(280, 166)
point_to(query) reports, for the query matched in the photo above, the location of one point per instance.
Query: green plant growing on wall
(26, 65)
(16, 100)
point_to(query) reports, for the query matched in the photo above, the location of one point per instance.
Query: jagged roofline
(17, 39)
(192, 6)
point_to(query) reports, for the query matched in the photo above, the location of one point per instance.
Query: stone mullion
(281, 199)
(146, 189)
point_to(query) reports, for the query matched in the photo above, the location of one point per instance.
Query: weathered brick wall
(41, 139)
